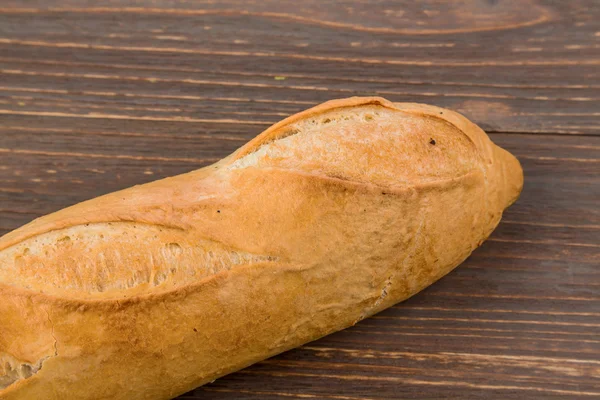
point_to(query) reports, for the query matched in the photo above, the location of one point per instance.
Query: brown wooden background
(98, 96)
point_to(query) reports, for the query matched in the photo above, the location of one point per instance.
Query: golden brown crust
(278, 131)
(266, 253)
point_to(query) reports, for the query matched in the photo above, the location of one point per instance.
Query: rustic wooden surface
(98, 98)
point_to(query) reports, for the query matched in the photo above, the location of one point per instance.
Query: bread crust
(295, 252)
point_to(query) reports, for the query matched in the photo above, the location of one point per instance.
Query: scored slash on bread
(326, 218)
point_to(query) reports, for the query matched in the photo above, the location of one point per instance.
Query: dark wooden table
(99, 97)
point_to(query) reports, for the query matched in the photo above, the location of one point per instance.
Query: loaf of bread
(324, 219)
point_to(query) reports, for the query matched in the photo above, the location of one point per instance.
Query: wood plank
(505, 71)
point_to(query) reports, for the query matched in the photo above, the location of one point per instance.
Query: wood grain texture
(98, 98)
